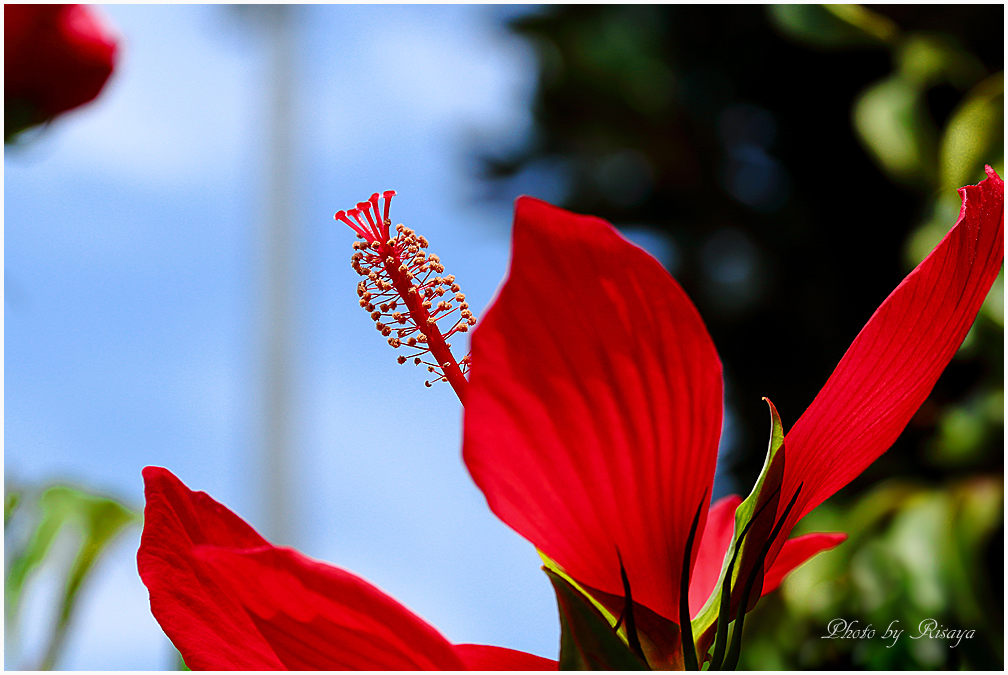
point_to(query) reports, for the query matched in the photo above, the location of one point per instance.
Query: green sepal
(587, 639)
(550, 565)
(767, 487)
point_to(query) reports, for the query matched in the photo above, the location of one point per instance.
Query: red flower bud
(56, 57)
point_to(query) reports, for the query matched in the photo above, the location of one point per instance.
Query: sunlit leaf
(767, 487)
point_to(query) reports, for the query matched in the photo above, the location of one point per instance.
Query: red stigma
(405, 294)
(388, 195)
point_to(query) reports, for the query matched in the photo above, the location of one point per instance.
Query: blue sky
(134, 256)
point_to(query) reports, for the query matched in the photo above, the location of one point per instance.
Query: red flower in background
(56, 57)
(594, 407)
(229, 600)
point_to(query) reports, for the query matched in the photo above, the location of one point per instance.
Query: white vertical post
(281, 280)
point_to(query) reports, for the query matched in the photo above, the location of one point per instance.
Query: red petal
(209, 628)
(717, 537)
(795, 552)
(594, 407)
(898, 356)
(228, 599)
(318, 617)
(482, 657)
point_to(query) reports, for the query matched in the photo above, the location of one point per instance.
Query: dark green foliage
(587, 641)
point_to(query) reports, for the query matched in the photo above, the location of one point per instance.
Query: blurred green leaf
(98, 519)
(893, 122)
(915, 552)
(944, 214)
(928, 59)
(993, 307)
(964, 429)
(11, 500)
(974, 133)
(865, 20)
(834, 26)
(587, 640)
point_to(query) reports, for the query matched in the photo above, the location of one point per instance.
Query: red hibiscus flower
(593, 415)
(56, 57)
(229, 600)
